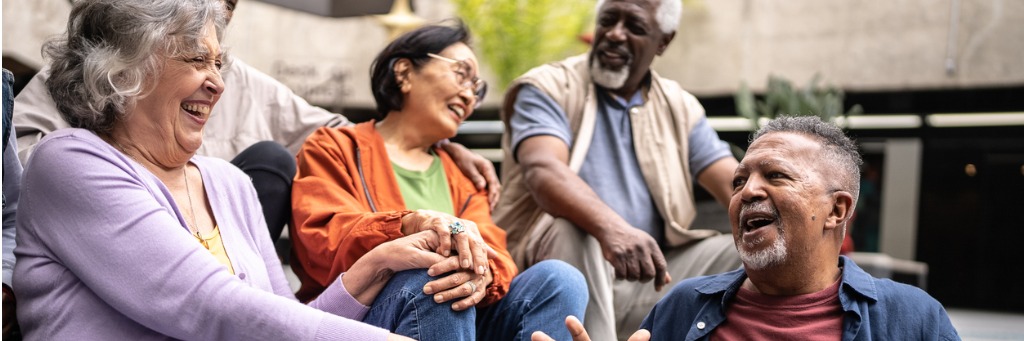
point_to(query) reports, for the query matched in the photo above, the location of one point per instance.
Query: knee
(410, 281)
(559, 279)
(268, 156)
(408, 285)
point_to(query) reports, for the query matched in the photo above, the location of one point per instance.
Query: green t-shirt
(425, 190)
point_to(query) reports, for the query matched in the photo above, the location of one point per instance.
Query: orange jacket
(346, 201)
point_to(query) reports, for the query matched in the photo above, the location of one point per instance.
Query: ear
(842, 210)
(402, 68)
(665, 39)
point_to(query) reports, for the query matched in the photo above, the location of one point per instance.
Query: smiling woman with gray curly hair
(126, 234)
(98, 73)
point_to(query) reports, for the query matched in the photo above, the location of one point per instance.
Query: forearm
(562, 193)
(365, 279)
(717, 179)
(348, 238)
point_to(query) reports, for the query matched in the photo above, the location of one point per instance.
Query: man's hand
(635, 256)
(477, 169)
(580, 334)
(562, 193)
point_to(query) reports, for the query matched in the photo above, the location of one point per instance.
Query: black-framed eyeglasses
(462, 71)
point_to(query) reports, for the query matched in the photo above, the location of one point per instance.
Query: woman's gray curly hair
(111, 49)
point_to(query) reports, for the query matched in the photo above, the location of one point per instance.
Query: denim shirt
(874, 309)
(8, 104)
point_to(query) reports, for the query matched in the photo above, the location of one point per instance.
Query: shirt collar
(637, 99)
(854, 279)
(725, 284)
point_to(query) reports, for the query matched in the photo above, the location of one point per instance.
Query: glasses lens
(480, 89)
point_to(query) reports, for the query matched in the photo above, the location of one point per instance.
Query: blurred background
(933, 90)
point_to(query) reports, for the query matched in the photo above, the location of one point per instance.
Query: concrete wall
(27, 23)
(325, 60)
(857, 45)
(862, 45)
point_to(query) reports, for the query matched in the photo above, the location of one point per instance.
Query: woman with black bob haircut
(383, 181)
(414, 46)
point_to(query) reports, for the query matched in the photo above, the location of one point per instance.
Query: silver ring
(472, 286)
(456, 227)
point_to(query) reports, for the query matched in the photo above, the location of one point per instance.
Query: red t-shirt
(755, 316)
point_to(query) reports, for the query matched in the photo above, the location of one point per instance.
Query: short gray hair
(841, 152)
(111, 47)
(669, 13)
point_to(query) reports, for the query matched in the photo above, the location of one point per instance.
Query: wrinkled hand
(579, 333)
(455, 284)
(469, 245)
(478, 169)
(635, 255)
(416, 251)
(371, 272)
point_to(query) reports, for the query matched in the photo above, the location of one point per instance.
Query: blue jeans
(539, 299)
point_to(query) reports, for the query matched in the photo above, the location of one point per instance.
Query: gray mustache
(759, 206)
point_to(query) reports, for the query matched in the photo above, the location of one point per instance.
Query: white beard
(608, 79)
(772, 255)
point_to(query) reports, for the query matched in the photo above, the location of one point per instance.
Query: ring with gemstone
(456, 227)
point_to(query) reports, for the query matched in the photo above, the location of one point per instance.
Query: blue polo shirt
(610, 166)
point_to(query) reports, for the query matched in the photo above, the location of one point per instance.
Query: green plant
(513, 36)
(782, 98)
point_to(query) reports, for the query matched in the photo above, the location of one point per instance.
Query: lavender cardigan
(104, 254)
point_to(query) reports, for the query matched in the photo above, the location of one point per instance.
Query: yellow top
(216, 246)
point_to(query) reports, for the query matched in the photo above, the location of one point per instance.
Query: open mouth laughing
(757, 215)
(459, 111)
(200, 111)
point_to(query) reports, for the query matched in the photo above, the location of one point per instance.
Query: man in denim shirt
(793, 195)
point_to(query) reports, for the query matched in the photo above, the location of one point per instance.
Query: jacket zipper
(465, 205)
(369, 199)
(362, 179)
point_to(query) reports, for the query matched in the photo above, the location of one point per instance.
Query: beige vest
(660, 129)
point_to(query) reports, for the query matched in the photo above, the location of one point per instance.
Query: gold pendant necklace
(193, 228)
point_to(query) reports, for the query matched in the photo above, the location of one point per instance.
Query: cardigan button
(634, 110)
(700, 325)
(241, 275)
